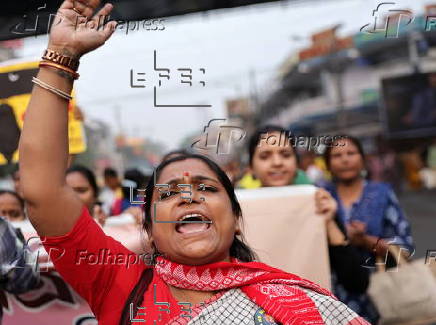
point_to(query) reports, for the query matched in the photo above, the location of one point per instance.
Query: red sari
(107, 284)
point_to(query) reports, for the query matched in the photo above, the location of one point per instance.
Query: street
(420, 208)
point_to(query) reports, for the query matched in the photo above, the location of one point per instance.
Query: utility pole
(337, 69)
(412, 39)
(341, 118)
(253, 87)
(118, 121)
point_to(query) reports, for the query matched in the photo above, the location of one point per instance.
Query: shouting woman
(205, 274)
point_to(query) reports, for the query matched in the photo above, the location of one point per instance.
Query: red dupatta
(284, 296)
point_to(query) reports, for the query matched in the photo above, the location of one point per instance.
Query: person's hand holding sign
(327, 206)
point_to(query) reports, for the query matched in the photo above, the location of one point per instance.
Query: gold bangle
(52, 89)
(59, 66)
(74, 74)
(56, 57)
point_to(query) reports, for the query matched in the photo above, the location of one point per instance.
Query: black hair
(238, 249)
(353, 140)
(178, 152)
(257, 136)
(14, 194)
(110, 172)
(88, 174)
(137, 177)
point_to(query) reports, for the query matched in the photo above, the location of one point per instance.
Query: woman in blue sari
(370, 213)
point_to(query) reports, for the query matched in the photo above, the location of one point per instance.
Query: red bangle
(374, 249)
(73, 74)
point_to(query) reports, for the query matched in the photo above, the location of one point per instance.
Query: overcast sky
(228, 44)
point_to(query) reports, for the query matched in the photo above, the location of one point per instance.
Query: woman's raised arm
(53, 206)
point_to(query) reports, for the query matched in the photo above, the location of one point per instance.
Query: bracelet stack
(68, 65)
(56, 60)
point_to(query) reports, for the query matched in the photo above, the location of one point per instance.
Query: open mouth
(192, 223)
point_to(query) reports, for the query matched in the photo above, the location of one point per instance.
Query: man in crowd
(111, 191)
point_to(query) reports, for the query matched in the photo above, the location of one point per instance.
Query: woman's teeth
(192, 216)
(192, 223)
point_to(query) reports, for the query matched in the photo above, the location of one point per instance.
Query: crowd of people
(201, 233)
(362, 217)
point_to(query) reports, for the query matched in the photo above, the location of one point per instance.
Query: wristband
(56, 57)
